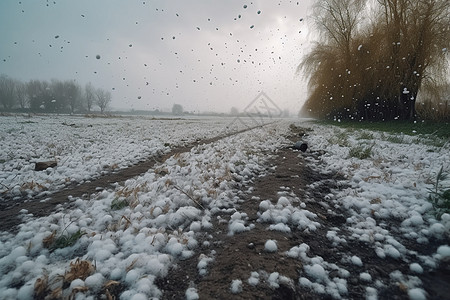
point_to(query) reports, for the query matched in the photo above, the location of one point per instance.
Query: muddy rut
(238, 255)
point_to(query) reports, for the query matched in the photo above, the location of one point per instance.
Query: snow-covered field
(86, 147)
(129, 235)
(390, 185)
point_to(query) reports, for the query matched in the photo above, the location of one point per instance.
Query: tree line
(375, 56)
(55, 96)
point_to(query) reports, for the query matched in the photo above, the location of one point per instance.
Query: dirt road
(236, 257)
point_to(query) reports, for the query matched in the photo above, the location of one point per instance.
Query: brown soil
(239, 255)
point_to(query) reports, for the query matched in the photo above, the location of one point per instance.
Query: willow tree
(374, 69)
(329, 64)
(417, 36)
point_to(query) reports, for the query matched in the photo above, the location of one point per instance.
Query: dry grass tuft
(49, 240)
(370, 178)
(122, 221)
(168, 182)
(76, 290)
(41, 287)
(375, 201)
(55, 294)
(111, 288)
(32, 186)
(80, 269)
(53, 289)
(131, 194)
(131, 266)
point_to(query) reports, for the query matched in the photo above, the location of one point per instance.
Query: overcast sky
(204, 55)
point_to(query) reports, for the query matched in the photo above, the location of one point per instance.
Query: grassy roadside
(441, 130)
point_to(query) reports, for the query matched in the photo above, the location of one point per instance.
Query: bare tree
(58, 100)
(7, 92)
(22, 96)
(338, 21)
(89, 93)
(39, 94)
(103, 99)
(55, 96)
(73, 91)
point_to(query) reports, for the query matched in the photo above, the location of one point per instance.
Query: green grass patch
(340, 138)
(119, 203)
(365, 135)
(361, 152)
(53, 242)
(441, 130)
(396, 139)
(67, 240)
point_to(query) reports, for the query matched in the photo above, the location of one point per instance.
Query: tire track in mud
(10, 210)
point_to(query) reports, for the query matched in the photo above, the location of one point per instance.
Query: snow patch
(271, 246)
(236, 286)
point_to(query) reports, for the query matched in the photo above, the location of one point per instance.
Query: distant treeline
(53, 96)
(374, 57)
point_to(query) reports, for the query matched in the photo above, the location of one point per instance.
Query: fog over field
(207, 56)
